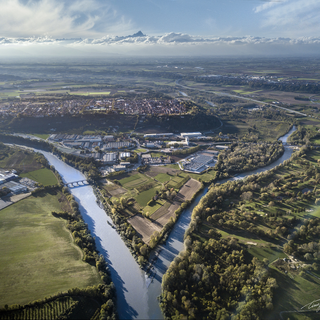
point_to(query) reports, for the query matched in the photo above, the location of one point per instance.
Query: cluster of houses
(294, 80)
(40, 109)
(142, 107)
(77, 106)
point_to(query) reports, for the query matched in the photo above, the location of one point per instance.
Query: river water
(136, 294)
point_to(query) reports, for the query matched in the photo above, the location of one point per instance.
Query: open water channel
(136, 293)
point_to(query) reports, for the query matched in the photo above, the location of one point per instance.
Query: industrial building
(124, 155)
(110, 158)
(119, 167)
(117, 145)
(7, 176)
(15, 187)
(190, 134)
(199, 162)
(158, 135)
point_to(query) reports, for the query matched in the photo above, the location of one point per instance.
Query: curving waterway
(136, 293)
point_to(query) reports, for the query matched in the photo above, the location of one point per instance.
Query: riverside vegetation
(125, 204)
(239, 121)
(236, 232)
(148, 194)
(95, 298)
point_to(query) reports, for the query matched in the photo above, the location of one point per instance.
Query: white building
(109, 157)
(150, 145)
(190, 134)
(158, 135)
(123, 155)
(119, 167)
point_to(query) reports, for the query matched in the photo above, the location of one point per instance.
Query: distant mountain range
(138, 34)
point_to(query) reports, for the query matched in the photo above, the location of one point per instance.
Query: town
(77, 106)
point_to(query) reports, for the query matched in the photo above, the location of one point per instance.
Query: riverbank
(136, 293)
(275, 211)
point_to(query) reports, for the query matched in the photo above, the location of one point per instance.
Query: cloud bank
(166, 39)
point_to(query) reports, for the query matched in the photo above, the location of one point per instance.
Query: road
(240, 97)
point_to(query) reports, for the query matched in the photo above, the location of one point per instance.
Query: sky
(169, 27)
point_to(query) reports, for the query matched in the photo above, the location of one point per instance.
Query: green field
(270, 253)
(143, 197)
(143, 188)
(9, 94)
(44, 176)
(149, 210)
(157, 154)
(246, 92)
(134, 181)
(90, 93)
(294, 294)
(42, 136)
(176, 179)
(163, 177)
(139, 150)
(37, 254)
(242, 237)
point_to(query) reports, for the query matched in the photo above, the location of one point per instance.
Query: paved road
(240, 97)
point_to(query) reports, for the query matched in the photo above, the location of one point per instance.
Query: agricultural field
(157, 194)
(44, 176)
(42, 136)
(134, 181)
(38, 257)
(246, 92)
(79, 307)
(79, 93)
(162, 211)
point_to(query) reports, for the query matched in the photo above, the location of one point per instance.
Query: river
(136, 294)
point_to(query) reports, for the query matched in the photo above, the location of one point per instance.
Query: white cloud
(267, 5)
(54, 18)
(291, 18)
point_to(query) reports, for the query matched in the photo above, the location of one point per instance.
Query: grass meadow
(44, 176)
(37, 255)
(295, 293)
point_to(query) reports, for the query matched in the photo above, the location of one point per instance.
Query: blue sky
(278, 22)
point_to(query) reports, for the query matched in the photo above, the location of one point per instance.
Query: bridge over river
(136, 292)
(78, 183)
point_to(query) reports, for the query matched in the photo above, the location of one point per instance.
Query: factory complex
(8, 181)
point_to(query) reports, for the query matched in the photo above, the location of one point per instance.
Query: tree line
(210, 278)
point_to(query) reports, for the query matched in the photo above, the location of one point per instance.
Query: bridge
(78, 183)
